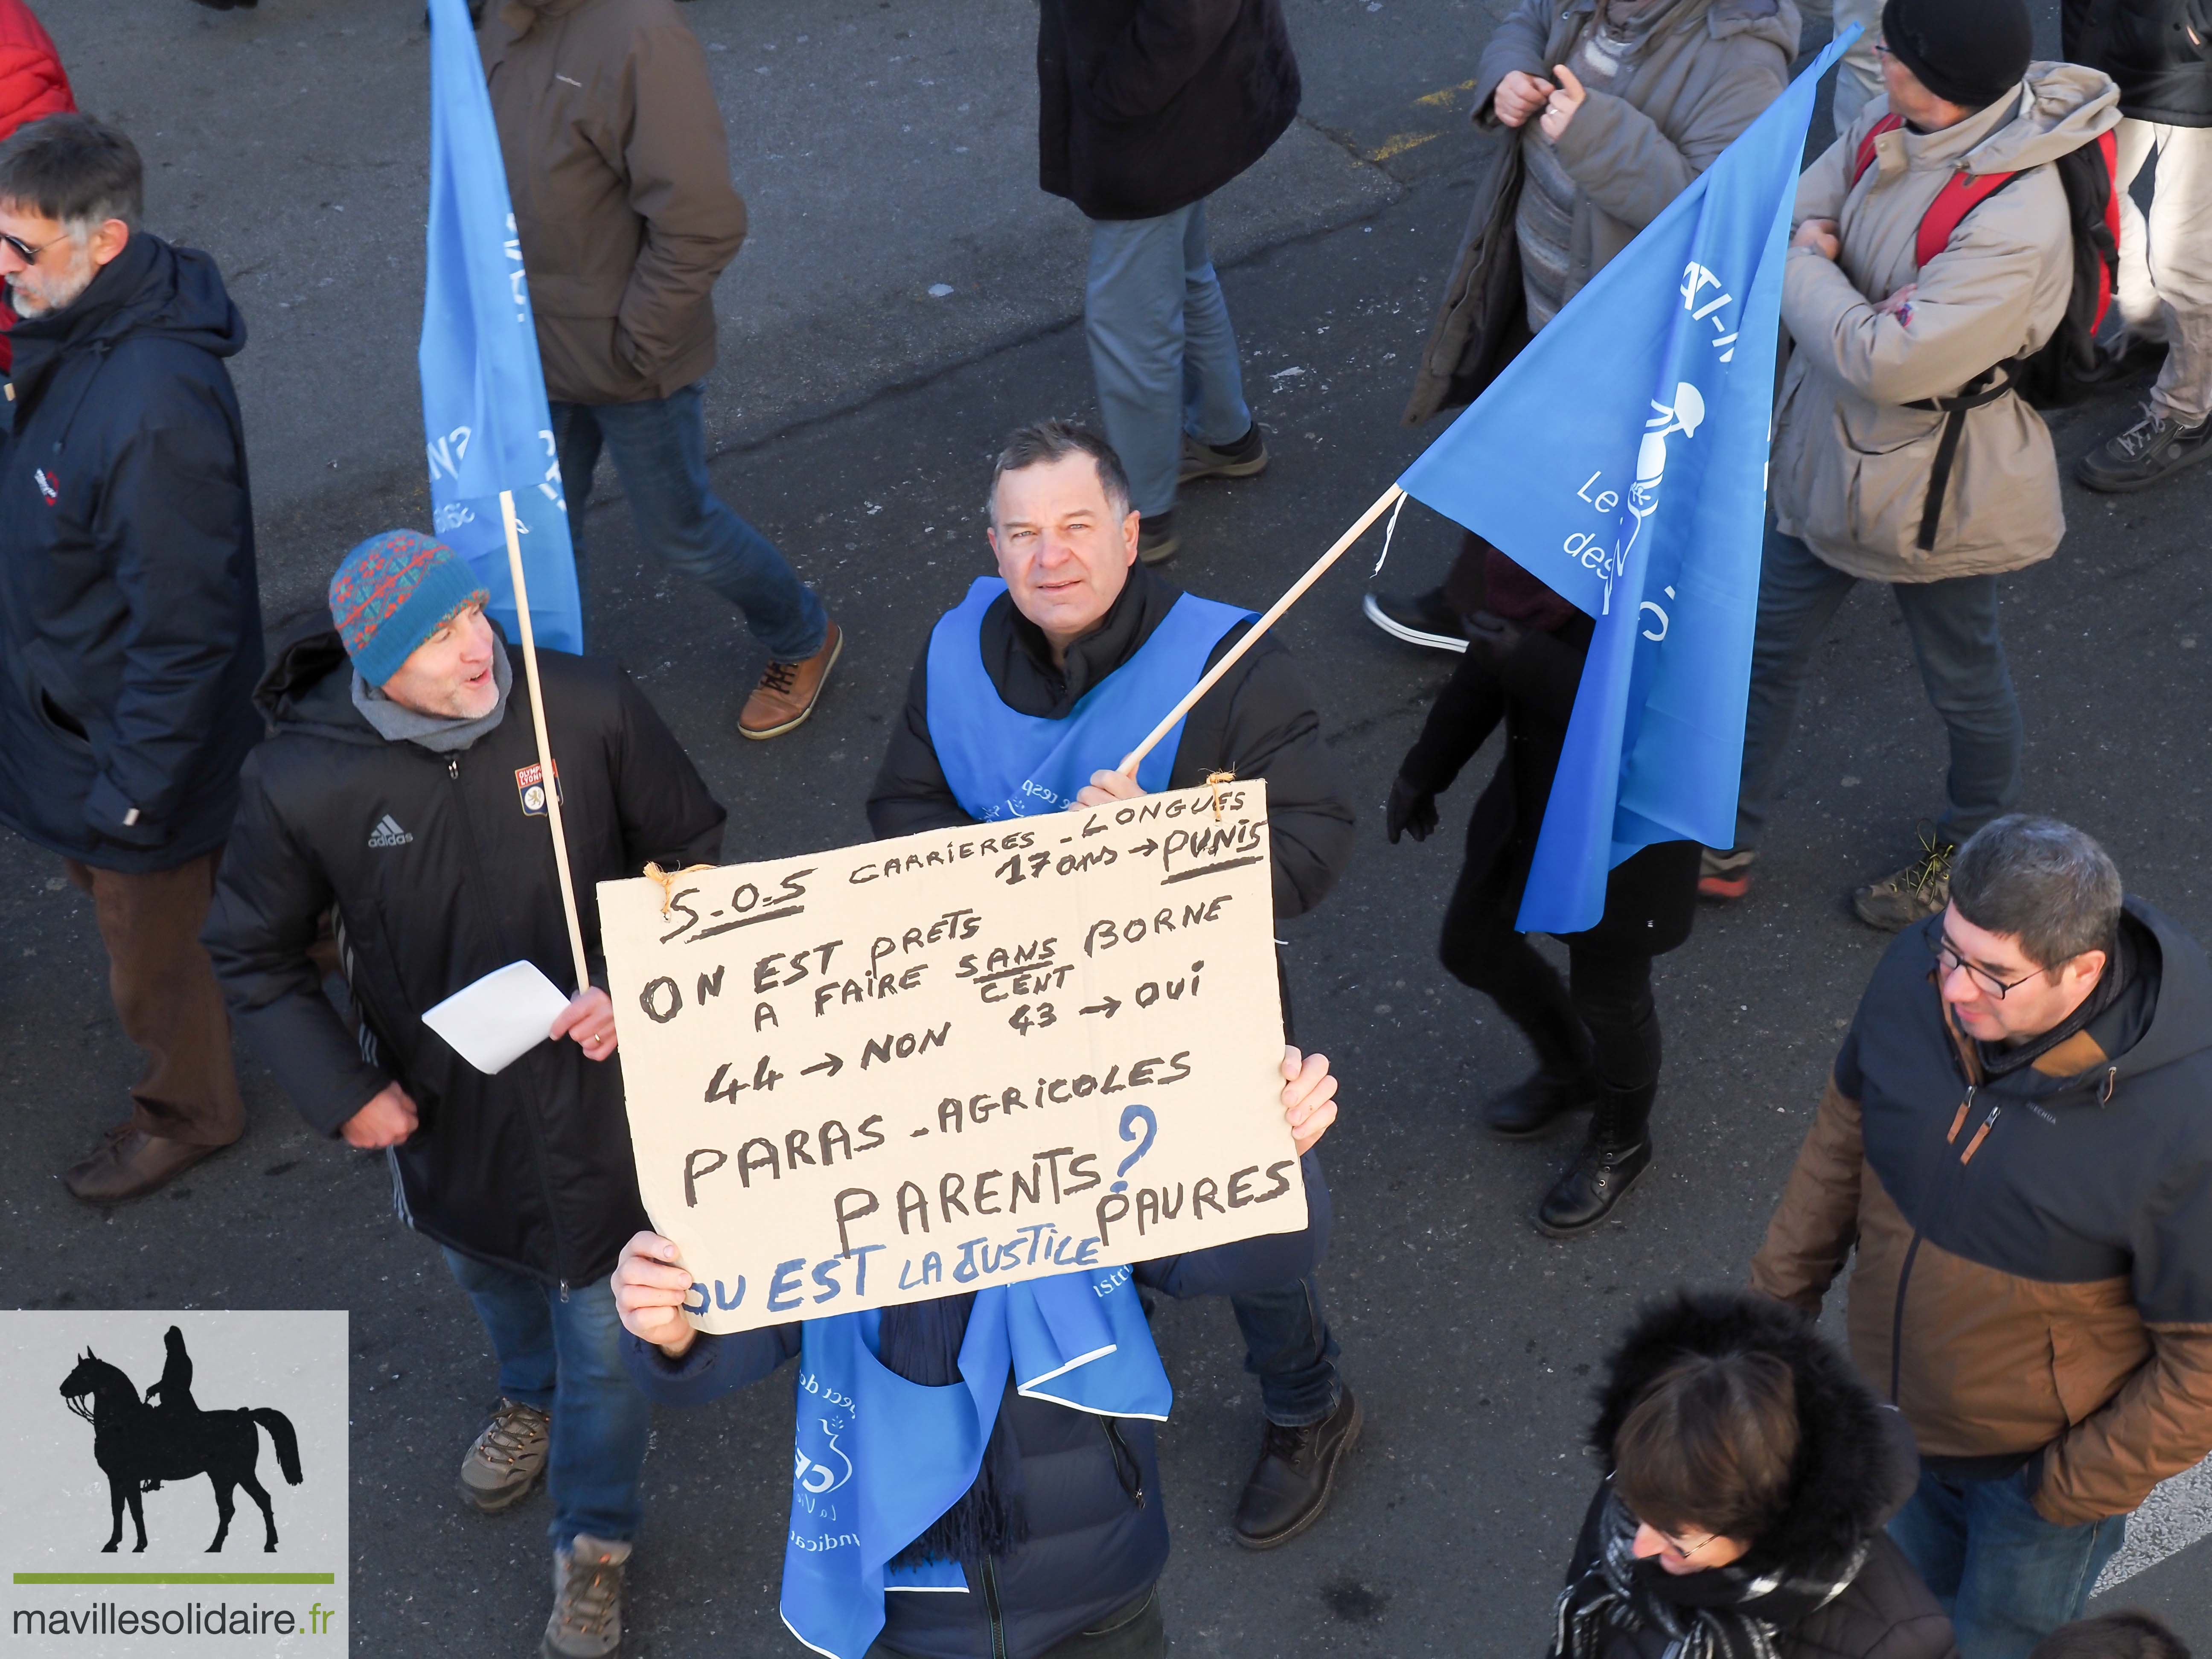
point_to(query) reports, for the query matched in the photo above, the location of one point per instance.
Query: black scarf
(921, 1342)
(1735, 1612)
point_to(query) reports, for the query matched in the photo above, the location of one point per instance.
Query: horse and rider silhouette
(139, 1445)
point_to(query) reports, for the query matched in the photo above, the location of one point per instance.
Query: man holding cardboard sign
(402, 788)
(1056, 670)
(1018, 1514)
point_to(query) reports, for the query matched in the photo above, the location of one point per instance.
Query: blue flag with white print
(484, 415)
(1621, 458)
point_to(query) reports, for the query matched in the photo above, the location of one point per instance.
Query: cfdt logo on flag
(178, 1476)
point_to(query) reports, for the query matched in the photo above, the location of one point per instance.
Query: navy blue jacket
(130, 617)
(1098, 1535)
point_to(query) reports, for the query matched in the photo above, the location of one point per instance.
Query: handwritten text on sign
(897, 1071)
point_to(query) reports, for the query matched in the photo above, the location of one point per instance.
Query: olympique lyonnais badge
(529, 784)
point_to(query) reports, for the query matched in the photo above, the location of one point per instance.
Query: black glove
(1410, 811)
(1492, 639)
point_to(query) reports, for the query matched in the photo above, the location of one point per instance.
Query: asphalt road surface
(886, 149)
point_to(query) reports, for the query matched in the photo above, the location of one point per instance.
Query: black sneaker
(1419, 619)
(1157, 541)
(1244, 458)
(2153, 448)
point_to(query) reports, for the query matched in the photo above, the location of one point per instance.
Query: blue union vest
(877, 1458)
(1004, 765)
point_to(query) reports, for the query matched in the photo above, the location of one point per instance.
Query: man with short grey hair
(130, 616)
(2016, 1132)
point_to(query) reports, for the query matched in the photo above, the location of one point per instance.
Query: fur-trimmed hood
(1856, 1464)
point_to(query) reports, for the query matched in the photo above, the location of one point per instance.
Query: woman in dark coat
(1597, 1038)
(1749, 1474)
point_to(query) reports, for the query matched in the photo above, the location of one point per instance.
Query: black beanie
(1969, 52)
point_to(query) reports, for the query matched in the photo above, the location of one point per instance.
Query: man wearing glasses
(130, 616)
(2016, 1137)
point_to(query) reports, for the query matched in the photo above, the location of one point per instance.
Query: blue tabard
(876, 1458)
(1004, 765)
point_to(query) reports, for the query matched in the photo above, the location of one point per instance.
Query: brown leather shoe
(129, 1163)
(787, 690)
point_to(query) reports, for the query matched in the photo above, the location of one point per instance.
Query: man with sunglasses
(130, 614)
(2016, 1137)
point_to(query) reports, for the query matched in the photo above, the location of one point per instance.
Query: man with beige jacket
(1902, 454)
(619, 170)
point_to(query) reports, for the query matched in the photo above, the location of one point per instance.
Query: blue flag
(1621, 458)
(483, 393)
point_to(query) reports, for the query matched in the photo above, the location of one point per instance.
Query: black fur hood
(1856, 1464)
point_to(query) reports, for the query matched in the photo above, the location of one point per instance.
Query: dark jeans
(1288, 1346)
(1953, 628)
(660, 448)
(166, 997)
(2006, 1577)
(563, 1355)
(1605, 1015)
(1138, 1631)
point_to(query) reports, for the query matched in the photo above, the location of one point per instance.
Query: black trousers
(1604, 1017)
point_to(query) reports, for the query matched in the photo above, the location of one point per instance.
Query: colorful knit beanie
(393, 593)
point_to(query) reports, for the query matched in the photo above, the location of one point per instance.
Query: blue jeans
(2006, 1577)
(659, 447)
(1953, 628)
(1287, 1345)
(565, 1357)
(1161, 348)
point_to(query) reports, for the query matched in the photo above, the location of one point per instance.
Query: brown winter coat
(1852, 459)
(1705, 75)
(2034, 1276)
(620, 172)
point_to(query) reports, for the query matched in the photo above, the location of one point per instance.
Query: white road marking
(2176, 1515)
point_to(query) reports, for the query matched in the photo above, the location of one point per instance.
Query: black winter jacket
(1650, 898)
(2159, 51)
(440, 876)
(130, 616)
(1098, 1528)
(1145, 106)
(1855, 1469)
(1259, 722)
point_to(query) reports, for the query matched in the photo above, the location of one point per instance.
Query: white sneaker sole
(1398, 630)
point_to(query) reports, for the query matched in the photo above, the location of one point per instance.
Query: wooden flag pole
(547, 779)
(1130, 762)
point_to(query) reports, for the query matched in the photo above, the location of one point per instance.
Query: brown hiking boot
(508, 1458)
(1917, 891)
(587, 1600)
(787, 692)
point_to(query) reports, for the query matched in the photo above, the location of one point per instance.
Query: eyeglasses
(1685, 1551)
(1949, 956)
(23, 251)
(1881, 48)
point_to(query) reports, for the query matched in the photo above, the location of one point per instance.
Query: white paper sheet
(502, 1017)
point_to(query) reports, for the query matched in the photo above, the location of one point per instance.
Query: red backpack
(2062, 368)
(2090, 176)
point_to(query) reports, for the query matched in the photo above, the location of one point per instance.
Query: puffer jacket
(1853, 457)
(1855, 1469)
(1089, 1485)
(2034, 1282)
(619, 171)
(1708, 73)
(2160, 52)
(441, 873)
(129, 610)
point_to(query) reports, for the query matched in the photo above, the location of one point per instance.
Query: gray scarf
(438, 733)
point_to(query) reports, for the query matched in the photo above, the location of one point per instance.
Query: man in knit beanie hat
(399, 788)
(1902, 452)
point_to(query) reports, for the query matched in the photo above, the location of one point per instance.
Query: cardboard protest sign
(902, 1070)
